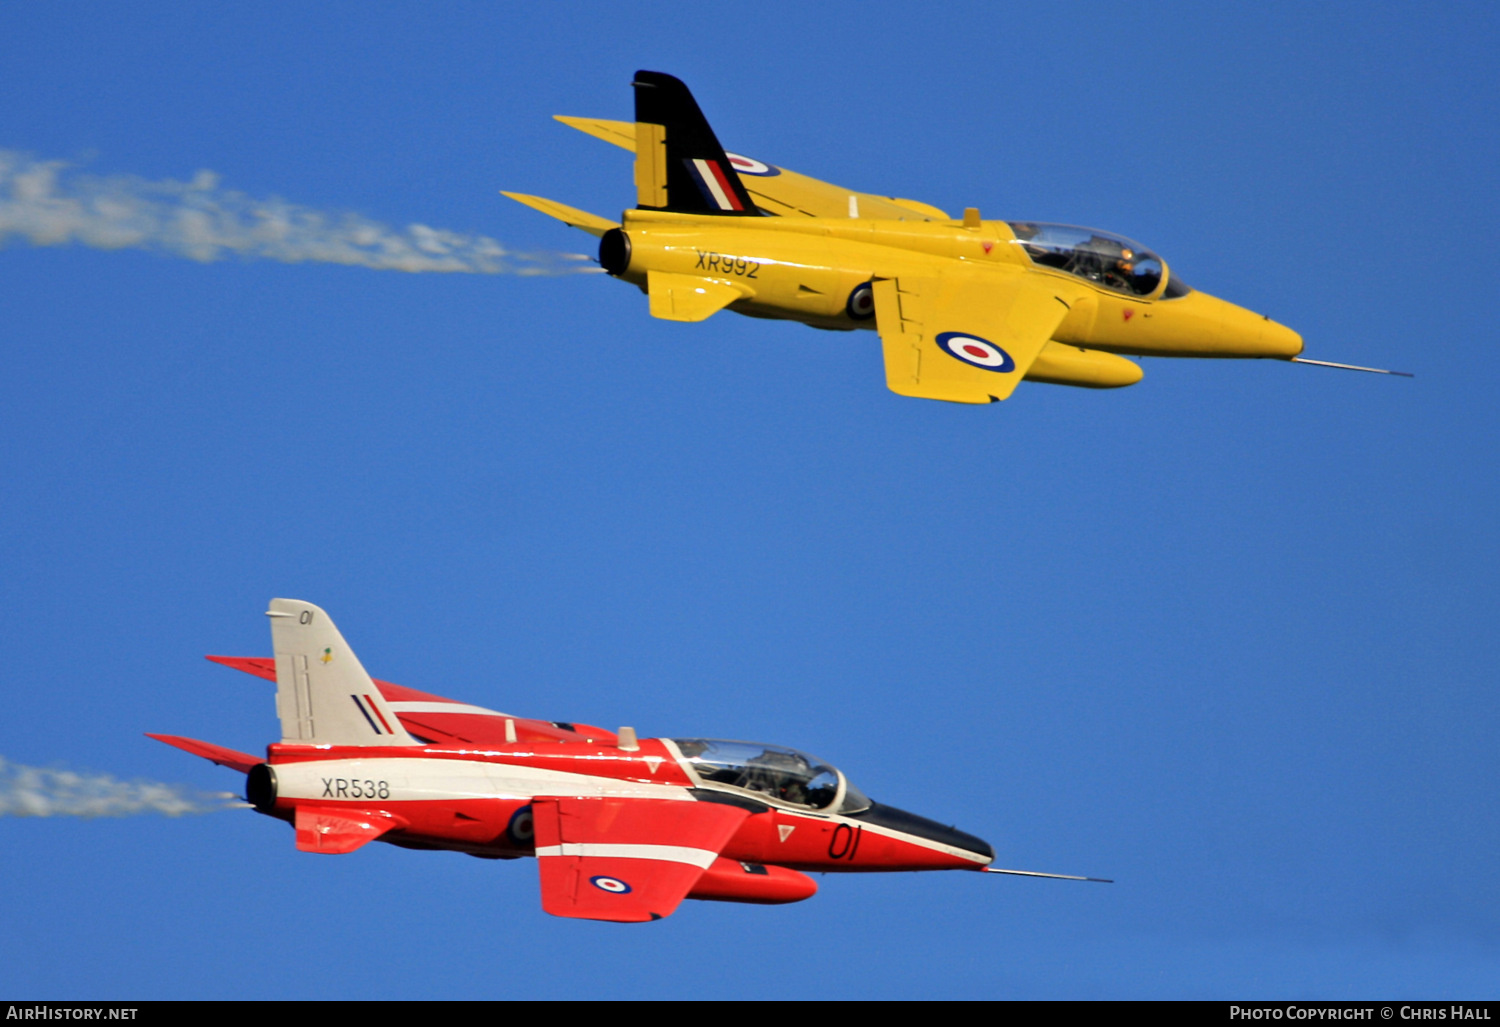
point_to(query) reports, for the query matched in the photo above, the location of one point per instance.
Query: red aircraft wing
(626, 860)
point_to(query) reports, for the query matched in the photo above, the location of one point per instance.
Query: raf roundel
(521, 831)
(976, 352)
(751, 166)
(613, 885)
(861, 305)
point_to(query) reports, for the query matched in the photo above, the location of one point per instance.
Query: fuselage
(812, 270)
(476, 799)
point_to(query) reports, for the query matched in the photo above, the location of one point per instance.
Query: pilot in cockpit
(778, 775)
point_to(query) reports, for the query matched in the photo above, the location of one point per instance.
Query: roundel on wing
(976, 352)
(613, 885)
(861, 304)
(751, 166)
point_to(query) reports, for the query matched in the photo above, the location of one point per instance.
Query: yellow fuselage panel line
(806, 269)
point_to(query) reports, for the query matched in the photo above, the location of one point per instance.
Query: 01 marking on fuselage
(845, 842)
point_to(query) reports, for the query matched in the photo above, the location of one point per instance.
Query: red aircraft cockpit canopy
(1103, 258)
(771, 770)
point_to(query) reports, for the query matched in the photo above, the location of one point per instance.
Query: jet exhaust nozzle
(260, 787)
(614, 252)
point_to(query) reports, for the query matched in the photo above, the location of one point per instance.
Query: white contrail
(50, 203)
(54, 792)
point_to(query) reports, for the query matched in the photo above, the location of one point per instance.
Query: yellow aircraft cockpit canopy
(784, 774)
(1103, 258)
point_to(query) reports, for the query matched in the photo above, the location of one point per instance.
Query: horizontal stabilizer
(687, 298)
(621, 133)
(260, 666)
(593, 224)
(336, 831)
(230, 758)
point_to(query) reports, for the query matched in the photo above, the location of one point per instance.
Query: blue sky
(1226, 636)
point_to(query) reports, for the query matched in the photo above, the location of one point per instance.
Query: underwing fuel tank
(729, 880)
(1059, 364)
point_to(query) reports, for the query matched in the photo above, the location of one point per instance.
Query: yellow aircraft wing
(781, 191)
(965, 337)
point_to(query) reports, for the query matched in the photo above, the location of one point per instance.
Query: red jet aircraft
(622, 828)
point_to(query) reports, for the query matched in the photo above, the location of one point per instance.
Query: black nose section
(910, 823)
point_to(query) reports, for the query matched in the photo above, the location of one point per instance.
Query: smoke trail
(50, 203)
(53, 792)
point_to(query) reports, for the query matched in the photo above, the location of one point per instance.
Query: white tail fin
(323, 695)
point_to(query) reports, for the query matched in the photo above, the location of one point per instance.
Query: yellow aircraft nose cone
(1248, 334)
(1277, 340)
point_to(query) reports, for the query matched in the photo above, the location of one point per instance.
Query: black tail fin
(679, 164)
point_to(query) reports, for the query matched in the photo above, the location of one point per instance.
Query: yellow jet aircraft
(965, 308)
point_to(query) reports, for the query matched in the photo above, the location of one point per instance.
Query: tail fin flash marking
(714, 185)
(382, 720)
(366, 712)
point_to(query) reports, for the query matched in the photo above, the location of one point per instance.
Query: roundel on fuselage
(613, 885)
(751, 166)
(521, 831)
(861, 304)
(976, 352)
